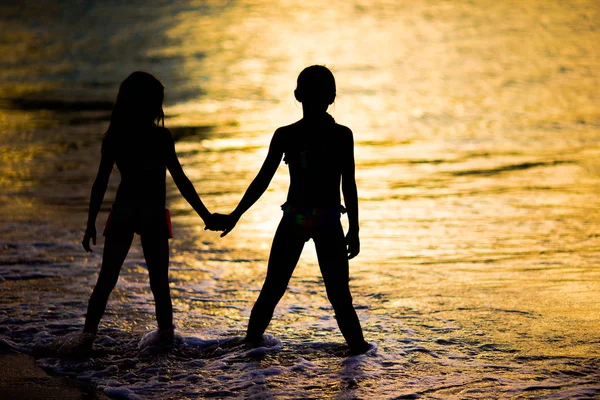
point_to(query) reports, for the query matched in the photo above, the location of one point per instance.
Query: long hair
(139, 103)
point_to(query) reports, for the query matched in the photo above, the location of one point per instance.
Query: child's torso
(141, 161)
(312, 152)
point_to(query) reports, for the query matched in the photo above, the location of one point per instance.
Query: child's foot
(76, 344)
(254, 341)
(159, 338)
(166, 335)
(360, 349)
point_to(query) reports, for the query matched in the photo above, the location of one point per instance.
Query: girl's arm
(261, 182)
(96, 198)
(183, 183)
(350, 196)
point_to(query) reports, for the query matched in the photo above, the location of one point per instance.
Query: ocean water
(477, 140)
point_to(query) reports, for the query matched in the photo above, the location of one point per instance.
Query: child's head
(315, 87)
(139, 101)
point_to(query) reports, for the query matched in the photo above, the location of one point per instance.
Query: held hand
(216, 222)
(233, 219)
(353, 243)
(90, 233)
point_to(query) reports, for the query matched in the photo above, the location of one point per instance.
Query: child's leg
(156, 252)
(285, 252)
(333, 262)
(116, 247)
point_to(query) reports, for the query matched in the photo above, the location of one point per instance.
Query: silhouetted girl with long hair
(320, 156)
(142, 150)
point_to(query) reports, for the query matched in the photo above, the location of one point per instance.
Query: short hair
(316, 83)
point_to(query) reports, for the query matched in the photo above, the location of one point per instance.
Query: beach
(477, 146)
(22, 378)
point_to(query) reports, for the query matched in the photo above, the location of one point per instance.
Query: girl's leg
(116, 247)
(156, 252)
(333, 262)
(285, 252)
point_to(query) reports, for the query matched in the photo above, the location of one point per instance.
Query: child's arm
(261, 182)
(96, 198)
(350, 195)
(183, 183)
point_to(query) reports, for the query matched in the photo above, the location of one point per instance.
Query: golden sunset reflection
(476, 128)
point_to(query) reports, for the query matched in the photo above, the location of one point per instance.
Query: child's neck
(314, 113)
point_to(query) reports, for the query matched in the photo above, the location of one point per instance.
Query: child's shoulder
(340, 133)
(288, 128)
(284, 134)
(164, 134)
(337, 128)
(342, 129)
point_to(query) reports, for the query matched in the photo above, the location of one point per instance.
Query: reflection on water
(477, 147)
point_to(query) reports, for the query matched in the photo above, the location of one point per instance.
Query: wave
(57, 105)
(510, 167)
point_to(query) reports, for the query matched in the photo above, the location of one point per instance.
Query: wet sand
(22, 378)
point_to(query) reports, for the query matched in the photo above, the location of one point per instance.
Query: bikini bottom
(143, 220)
(308, 222)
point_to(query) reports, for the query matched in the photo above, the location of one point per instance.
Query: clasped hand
(221, 222)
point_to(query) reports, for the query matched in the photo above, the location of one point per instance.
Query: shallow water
(477, 144)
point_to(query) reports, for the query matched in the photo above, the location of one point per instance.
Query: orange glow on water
(478, 168)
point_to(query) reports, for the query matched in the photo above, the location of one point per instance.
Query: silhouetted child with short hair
(320, 156)
(142, 151)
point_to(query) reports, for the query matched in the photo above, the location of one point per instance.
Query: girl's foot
(361, 349)
(159, 338)
(76, 344)
(166, 335)
(253, 342)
